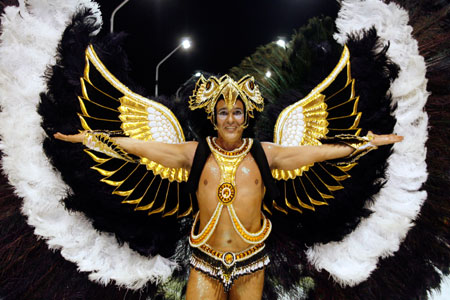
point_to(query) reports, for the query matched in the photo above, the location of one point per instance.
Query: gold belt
(230, 258)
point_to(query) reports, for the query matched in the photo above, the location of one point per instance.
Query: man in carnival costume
(90, 225)
(229, 256)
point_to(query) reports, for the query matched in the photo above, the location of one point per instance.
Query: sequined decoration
(228, 162)
(229, 266)
(207, 93)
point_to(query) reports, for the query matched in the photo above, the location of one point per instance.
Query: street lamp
(186, 44)
(281, 42)
(111, 22)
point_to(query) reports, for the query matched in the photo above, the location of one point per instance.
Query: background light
(268, 74)
(281, 43)
(198, 74)
(186, 43)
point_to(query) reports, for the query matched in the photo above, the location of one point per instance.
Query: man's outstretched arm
(290, 158)
(170, 155)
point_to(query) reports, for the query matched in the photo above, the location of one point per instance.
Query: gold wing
(107, 104)
(330, 108)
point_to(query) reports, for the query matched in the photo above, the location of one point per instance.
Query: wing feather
(106, 103)
(329, 108)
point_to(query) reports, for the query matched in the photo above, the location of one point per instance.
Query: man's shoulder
(269, 151)
(268, 146)
(193, 144)
(189, 146)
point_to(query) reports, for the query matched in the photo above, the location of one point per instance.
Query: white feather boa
(398, 203)
(30, 35)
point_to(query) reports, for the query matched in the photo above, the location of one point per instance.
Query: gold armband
(361, 146)
(101, 141)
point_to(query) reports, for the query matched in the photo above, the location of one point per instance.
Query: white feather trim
(398, 203)
(30, 35)
(443, 293)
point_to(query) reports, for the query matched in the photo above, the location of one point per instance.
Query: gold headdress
(208, 92)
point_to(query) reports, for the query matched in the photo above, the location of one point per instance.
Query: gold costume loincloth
(228, 266)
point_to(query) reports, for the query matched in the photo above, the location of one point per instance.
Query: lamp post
(186, 43)
(196, 75)
(111, 22)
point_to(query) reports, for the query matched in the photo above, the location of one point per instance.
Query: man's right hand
(73, 138)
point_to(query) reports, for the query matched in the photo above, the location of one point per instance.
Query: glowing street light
(186, 44)
(268, 74)
(281, 42)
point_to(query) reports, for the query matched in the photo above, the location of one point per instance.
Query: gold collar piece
(228, 162)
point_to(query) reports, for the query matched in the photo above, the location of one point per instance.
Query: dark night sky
(222, 33)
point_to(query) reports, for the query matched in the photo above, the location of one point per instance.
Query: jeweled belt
(229, 258)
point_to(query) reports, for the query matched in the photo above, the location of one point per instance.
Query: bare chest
(247, 173)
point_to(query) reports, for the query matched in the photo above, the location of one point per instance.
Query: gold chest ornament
(228, 162)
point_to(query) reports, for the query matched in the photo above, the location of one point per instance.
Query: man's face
(229, 122)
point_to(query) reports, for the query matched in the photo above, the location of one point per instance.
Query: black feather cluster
(58, 108)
